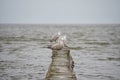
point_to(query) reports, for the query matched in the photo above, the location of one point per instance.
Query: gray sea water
(95, 50)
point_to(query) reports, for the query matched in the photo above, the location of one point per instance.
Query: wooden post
(61, 67)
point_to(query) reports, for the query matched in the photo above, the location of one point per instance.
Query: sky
(59, 11)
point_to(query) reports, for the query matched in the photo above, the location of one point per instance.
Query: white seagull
(59, 44)
(55, 37)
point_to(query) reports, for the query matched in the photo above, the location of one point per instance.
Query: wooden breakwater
(61, 67)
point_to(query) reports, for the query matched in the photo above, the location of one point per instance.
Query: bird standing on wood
(55, 37)
(60, 43)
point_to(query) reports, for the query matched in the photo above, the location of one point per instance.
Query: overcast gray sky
(59, 11)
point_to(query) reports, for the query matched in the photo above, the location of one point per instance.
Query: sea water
(95, 50)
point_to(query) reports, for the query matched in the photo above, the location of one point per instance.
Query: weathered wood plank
(61, 67)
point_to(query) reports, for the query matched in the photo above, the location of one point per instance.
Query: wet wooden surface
(61, 67)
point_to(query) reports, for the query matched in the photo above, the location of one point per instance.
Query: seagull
(64, 39)
(59, 44)
(55, 37)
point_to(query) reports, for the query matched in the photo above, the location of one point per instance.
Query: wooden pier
(61, 67)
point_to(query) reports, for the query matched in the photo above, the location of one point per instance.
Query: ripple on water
(94, 48)
(75, 48)
(110, 59)
(98, 43)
